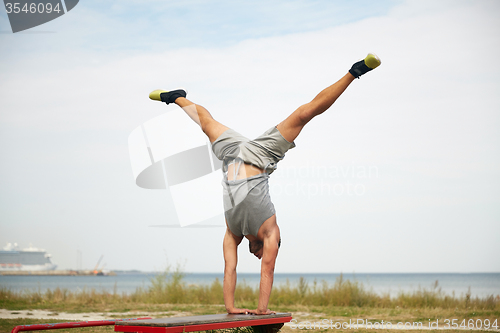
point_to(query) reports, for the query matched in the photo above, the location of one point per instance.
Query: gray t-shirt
(247, 203)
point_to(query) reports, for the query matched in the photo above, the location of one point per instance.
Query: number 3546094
(471, 324)
(31, 8)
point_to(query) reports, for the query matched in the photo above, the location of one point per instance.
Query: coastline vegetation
(170, 288)
(169, 295)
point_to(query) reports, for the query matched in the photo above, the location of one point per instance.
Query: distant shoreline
(480, 284)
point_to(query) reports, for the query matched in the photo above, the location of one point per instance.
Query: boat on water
(28, 259)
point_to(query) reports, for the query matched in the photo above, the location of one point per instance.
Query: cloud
(427, 118)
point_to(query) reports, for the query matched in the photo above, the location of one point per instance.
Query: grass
(301, 313)
(169, 288)
(169, 295)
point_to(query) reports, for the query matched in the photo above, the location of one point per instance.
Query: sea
(458, 284)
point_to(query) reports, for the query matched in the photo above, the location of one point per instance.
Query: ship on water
(28, 259)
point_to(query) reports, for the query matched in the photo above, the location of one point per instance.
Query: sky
(402, 174)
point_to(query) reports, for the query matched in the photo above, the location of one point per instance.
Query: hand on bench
(238, 311)
(259, 312)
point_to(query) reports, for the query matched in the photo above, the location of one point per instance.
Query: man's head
(257, 247)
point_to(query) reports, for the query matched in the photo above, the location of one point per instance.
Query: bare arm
(230, 248)
(269, 255)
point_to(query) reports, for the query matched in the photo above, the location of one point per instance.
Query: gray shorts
(264, 152)
(247, 203)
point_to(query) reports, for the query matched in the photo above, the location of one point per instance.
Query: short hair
(257, 245)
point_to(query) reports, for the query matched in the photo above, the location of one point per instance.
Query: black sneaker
(167, 96)
(367, 64)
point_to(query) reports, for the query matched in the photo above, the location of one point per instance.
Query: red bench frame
(202, 327)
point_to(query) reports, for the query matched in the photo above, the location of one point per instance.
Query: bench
(262, 324)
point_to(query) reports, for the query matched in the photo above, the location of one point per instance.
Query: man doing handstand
(246, 167)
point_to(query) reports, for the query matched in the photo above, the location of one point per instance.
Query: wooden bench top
(201, 323)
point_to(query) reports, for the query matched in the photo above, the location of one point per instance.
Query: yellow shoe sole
(155, 94)
(372, 61)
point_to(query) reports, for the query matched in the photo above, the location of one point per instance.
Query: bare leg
(212, 128)
(291, 126)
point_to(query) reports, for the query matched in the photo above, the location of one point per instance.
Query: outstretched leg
(291, 126)
(212, 128)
